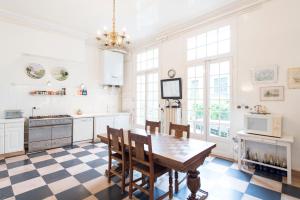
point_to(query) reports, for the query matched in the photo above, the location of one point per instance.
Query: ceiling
(141, 18)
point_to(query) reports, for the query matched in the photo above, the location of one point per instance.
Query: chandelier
(114, 40)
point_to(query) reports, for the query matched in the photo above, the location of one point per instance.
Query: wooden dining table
(180, 154)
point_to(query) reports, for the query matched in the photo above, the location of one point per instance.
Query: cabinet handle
(114, 76)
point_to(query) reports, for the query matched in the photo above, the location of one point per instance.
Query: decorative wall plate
(60, 74)
(35, 71)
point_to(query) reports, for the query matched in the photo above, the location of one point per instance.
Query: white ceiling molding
(233, 9)
(18, 19)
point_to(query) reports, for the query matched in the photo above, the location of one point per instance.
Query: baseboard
(223, 157)
(7, 155)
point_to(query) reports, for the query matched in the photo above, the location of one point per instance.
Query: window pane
(219, 99)
(201, 52)
(224, 33)
(191, 43)
(212, 49)
(212, 36)
(224, 46)
(201, 40)
(191, 54)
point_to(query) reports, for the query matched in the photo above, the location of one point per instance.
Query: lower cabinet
(11, 137)
(116, 121)
(83, 129)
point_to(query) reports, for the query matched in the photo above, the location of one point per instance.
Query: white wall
(21, 45)
(262, 37)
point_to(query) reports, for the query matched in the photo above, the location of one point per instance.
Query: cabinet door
(14, 138)
(113, 68)
(122, 121)
(61, 131)
(102, 122)
(83, 129)
(1, 138)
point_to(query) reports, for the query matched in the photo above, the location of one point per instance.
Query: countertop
(87, 115)
(4, 121)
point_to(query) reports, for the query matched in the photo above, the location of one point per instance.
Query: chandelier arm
(114, 16)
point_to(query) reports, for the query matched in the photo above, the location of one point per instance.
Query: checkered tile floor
(78, 173)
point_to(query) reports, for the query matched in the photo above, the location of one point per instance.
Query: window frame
(145, 73)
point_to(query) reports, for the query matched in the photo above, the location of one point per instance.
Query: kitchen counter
(87, 115)
(4, 121)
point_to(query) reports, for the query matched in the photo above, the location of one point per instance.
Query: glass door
(209, 103)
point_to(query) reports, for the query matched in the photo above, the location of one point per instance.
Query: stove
(49, 120)
(52, 131)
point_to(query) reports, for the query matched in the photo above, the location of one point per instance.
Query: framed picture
(294, 78)
(275, 93)
(266, 75)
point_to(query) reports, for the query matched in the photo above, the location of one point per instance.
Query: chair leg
(170, 184)
(151, 189)
(123, 179)
(176, 182)
(109, 169)
(130, 183)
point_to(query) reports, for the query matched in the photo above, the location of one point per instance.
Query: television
(171, 88)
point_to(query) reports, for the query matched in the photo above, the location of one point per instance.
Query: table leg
(193, 183)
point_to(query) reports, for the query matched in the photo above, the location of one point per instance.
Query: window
(147, 87)
(209, 83)
(212, 43)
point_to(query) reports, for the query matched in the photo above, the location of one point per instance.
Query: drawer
(39, 134)
(63, 131)
(14, 125)
(38, 146)
(61, 142)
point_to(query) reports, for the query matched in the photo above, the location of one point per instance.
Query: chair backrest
(116, 140)
(137, 151)
(179, 130)
(152, 127)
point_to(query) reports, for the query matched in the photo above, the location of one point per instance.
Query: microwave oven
(263, 124)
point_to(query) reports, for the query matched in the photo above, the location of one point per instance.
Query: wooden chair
(116, 151)
(142, 161)
(179, 133)
(152, 126)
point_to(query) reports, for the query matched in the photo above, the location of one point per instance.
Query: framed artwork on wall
(294, 78)
(275, 93)
(266, 75)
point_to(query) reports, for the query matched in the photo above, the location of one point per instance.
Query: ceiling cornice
(11, 17)
(236, 8)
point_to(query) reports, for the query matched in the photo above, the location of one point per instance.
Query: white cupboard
(115, 121)
(12, 136)
(102, 122)
(83, 129)
(1, 138)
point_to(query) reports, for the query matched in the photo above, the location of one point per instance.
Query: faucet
(32, 110)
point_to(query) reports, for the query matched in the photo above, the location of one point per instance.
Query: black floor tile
(44, 163)
(92, 146)
(113, 192)
(18, 164)
(262, 193)
(87, 175)
(24, 176)
(38, 193)
(3, 174)
(59, 154)
(222, 162)
(71, 163)
(59, 175)
(102, 154)
(96, 163)
(6, 192)
(34, 155)
(76, 193)
(291, 190)
(268, 175)
(81, 154)
(239, 174)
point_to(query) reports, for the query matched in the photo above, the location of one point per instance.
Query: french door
(209, 103)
